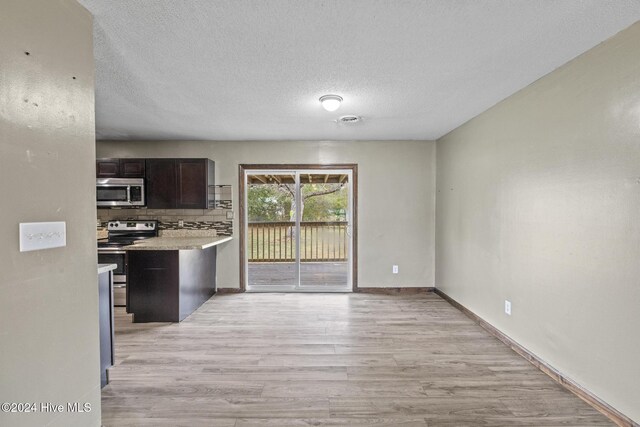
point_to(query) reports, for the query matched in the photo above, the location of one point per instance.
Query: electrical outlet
(395, 269)
(507, 307)
(180, 223)
(229, 214)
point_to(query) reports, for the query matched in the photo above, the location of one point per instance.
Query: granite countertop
(105, 268)
(169, 243)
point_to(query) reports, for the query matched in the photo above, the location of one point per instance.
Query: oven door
(117, 257)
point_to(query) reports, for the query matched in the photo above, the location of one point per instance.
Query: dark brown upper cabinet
(120, 168)
(132, 168)
(107, 168)
(161, 183)
(179, 183)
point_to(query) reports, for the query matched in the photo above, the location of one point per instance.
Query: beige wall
(396, 197)
(49, 350)
(538, 202)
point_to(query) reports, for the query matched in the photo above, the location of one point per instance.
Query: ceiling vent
(349, 119)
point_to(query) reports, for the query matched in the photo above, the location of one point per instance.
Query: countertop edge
(177, 243)
(223, 240)
(105, 268)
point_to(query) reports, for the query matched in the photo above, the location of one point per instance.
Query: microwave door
(113, 194)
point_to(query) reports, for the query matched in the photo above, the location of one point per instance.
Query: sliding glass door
(298, 230)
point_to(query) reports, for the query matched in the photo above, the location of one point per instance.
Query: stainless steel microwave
(120, 192)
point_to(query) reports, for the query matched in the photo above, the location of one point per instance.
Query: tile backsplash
(194, 219)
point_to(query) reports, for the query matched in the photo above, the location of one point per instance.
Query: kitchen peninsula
(170, 276)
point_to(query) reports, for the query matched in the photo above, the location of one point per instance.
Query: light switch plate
(42, 235)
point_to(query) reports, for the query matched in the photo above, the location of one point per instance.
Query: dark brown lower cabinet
(167, 286)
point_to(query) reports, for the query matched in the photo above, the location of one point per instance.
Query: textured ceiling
(244, 69)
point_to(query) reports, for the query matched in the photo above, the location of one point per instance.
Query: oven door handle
(108, 252)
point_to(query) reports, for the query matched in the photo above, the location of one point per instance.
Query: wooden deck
(293, 360)
(329, 274)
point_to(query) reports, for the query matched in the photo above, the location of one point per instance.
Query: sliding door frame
(242, 168)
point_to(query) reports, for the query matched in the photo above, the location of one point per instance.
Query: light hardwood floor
(328, 360)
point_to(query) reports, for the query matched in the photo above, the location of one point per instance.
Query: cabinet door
(107, 168)
(153, 286)
(192, 183)
(161, 183)
(132, 168)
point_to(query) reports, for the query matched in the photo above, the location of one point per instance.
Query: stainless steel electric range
(111, 250)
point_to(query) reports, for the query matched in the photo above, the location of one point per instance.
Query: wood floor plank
(169, 422)
(344, 389)
(292, 360)
(412, 406)
(331, 422)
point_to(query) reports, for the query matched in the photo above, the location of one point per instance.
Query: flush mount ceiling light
(330, 102)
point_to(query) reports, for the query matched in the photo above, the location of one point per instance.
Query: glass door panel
(324, 229)
(272, 245)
